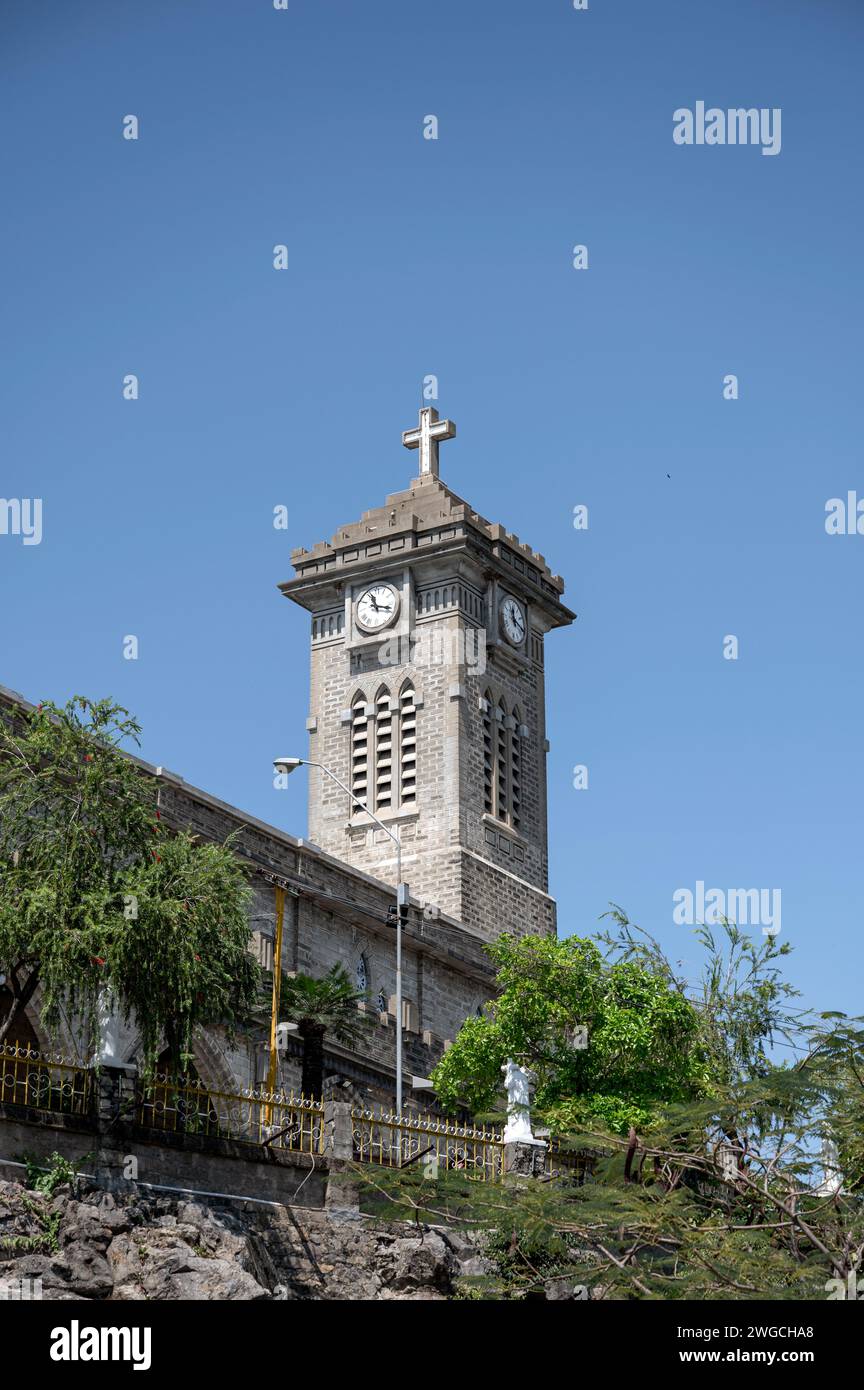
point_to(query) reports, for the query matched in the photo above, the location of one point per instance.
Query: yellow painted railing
(257, 1116)
(428, 1142)
(280, 1120)
(563, 1161)
(43, 1080)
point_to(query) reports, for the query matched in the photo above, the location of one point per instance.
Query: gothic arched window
(383, 751)
(359, 748)
(407, 745)
(515, 770)
(362, 975)
(488, 757)
(502, 761)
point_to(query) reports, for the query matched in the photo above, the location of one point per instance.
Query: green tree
(741, 998)
(662, 1217)
(183, 959)
(643, 1047)
(719, 1195)
(96, 895)
(321, 1008)
(835, 1064)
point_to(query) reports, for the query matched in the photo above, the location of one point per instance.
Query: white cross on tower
(425, 438)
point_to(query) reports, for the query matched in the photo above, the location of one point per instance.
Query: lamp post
(289, 765)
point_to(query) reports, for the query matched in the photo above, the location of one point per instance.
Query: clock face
(377, 607)
(513, 621)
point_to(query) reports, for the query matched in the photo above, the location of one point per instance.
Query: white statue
(518, 1082)
(832, 1178)
(109, 1047)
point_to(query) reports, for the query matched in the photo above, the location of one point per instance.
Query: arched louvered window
(502, 761)
(359, 749)
(516, 771)
(488, 757)
(502, 804)
(383, 751)
(407, 746)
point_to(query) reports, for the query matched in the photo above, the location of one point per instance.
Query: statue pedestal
(525, 1159)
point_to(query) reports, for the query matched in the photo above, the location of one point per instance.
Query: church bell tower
(427, 698)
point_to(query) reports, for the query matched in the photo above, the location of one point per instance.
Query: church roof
(462, 945)
(428, 513)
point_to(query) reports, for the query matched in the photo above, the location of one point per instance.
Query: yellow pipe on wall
(272, 1070)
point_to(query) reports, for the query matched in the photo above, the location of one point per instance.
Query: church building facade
(428, 698)
(427, 706)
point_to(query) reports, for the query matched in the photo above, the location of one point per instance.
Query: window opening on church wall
(488, 757)
(502, 761)
(384, 750)
(515, 771)
(501, 764)
(359, 748)
(407, 746)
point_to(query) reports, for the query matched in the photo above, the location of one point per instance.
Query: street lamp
(289, 765)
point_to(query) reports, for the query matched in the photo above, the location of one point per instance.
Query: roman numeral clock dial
(376, 608)
(513, 621)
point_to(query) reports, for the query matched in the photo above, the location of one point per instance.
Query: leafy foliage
(46, 1238)
(97, 896)
(719, 1194)
(325, 1007)
(183, 959)
(835, 1066)
(742, 1000)
(47, 1176)
(680, 1212)
(329, 1003)
(643, 1036)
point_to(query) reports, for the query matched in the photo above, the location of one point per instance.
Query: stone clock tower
(428, 700)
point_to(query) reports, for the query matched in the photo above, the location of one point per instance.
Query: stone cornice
(426, 517)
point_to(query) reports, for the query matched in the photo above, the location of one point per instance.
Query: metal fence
(43, 1081)
(428, 1142)
(184, 1105)
(561, 1161)
(276, 1119)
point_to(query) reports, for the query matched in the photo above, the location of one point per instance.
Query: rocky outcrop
(93, 1244)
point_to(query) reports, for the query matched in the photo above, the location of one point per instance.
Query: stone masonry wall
(449, 811)
(339, 916)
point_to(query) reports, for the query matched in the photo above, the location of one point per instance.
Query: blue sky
(453, 257)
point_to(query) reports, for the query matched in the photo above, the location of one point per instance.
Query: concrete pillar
(338, 1130)
(114, 1092)
(342, 1198)
(525, 1160)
